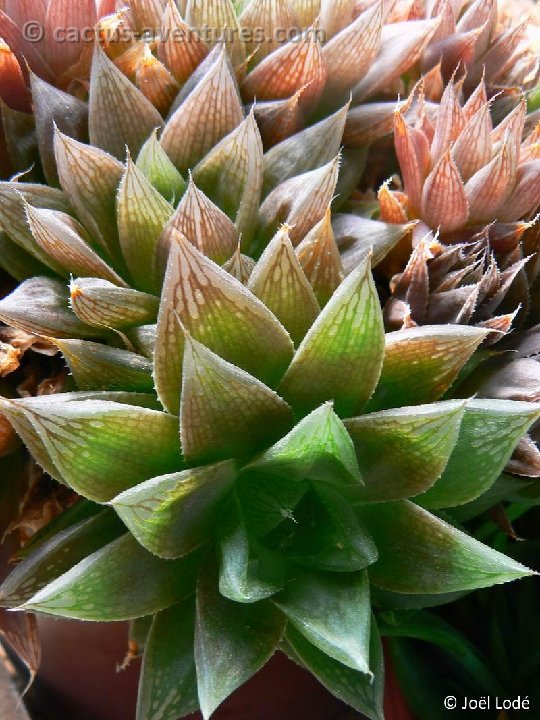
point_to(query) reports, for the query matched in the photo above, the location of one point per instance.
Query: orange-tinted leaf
(444, 201)
(180, 49)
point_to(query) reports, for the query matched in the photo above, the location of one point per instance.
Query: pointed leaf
(333, 612)
(240, 266)
(142, 214)
(232, 174)
(213, 104)
(266, 19)
(305, 151)
(219, 312)
(100, 303)
(349, 54)
(489, 433)
(224, 411)
(40, 306)
(473, 148)
(402, 44)
(156, 166)
(57, 555)
(204, 224)
(65, 241)
(444, 200)
(357, 689)
(320, 260)
(279, 281)
(119, 114)
(232, 641)
(106, 586)
(245, 577)
(318, 448)
(172, 514)
(295, 65)
(525, 195)
(90, 177)
(402, 452)
(122, 445)
(301, 202)
(168, 684)
(327, 534)
(220, 17)
(420, 364)
(419, 553)
(155, 82)
(489, 188)
(55, 107)
(340, 358)
(95, 366)
(180, 48)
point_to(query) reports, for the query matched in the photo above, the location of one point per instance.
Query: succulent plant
(259, 465)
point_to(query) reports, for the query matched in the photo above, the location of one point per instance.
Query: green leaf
(98, 448)
(328, 535)
(420, 364)
(57, 555)
(41, 306)
(402, 452)
(155, 165)
(90, 177)
(318, 448)
(333, 612)
(119, 114)
(340, 358)
(268, 500)
(224, 411)
(121, 581)
(419, 553)
(142, 214)
(219, 312)
(168, 684)
(232, 174)
(95, 366)
(232, 641)
(100, 303)
(361, 691)
(172, 514)
(489, 433)
(245, 576)
(279, 281)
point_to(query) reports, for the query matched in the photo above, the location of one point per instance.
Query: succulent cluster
(259, 465)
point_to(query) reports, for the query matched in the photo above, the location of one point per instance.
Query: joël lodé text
(496, 703)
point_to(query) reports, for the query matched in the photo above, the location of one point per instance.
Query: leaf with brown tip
(209, 112)
(119, 114)
(156, 82)
(225, 412)
(320, 260)
(142, 213)
(340, 358)
(231, 175)
(279, 281)
(100, 303)
(218, 311)
(420, 364)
